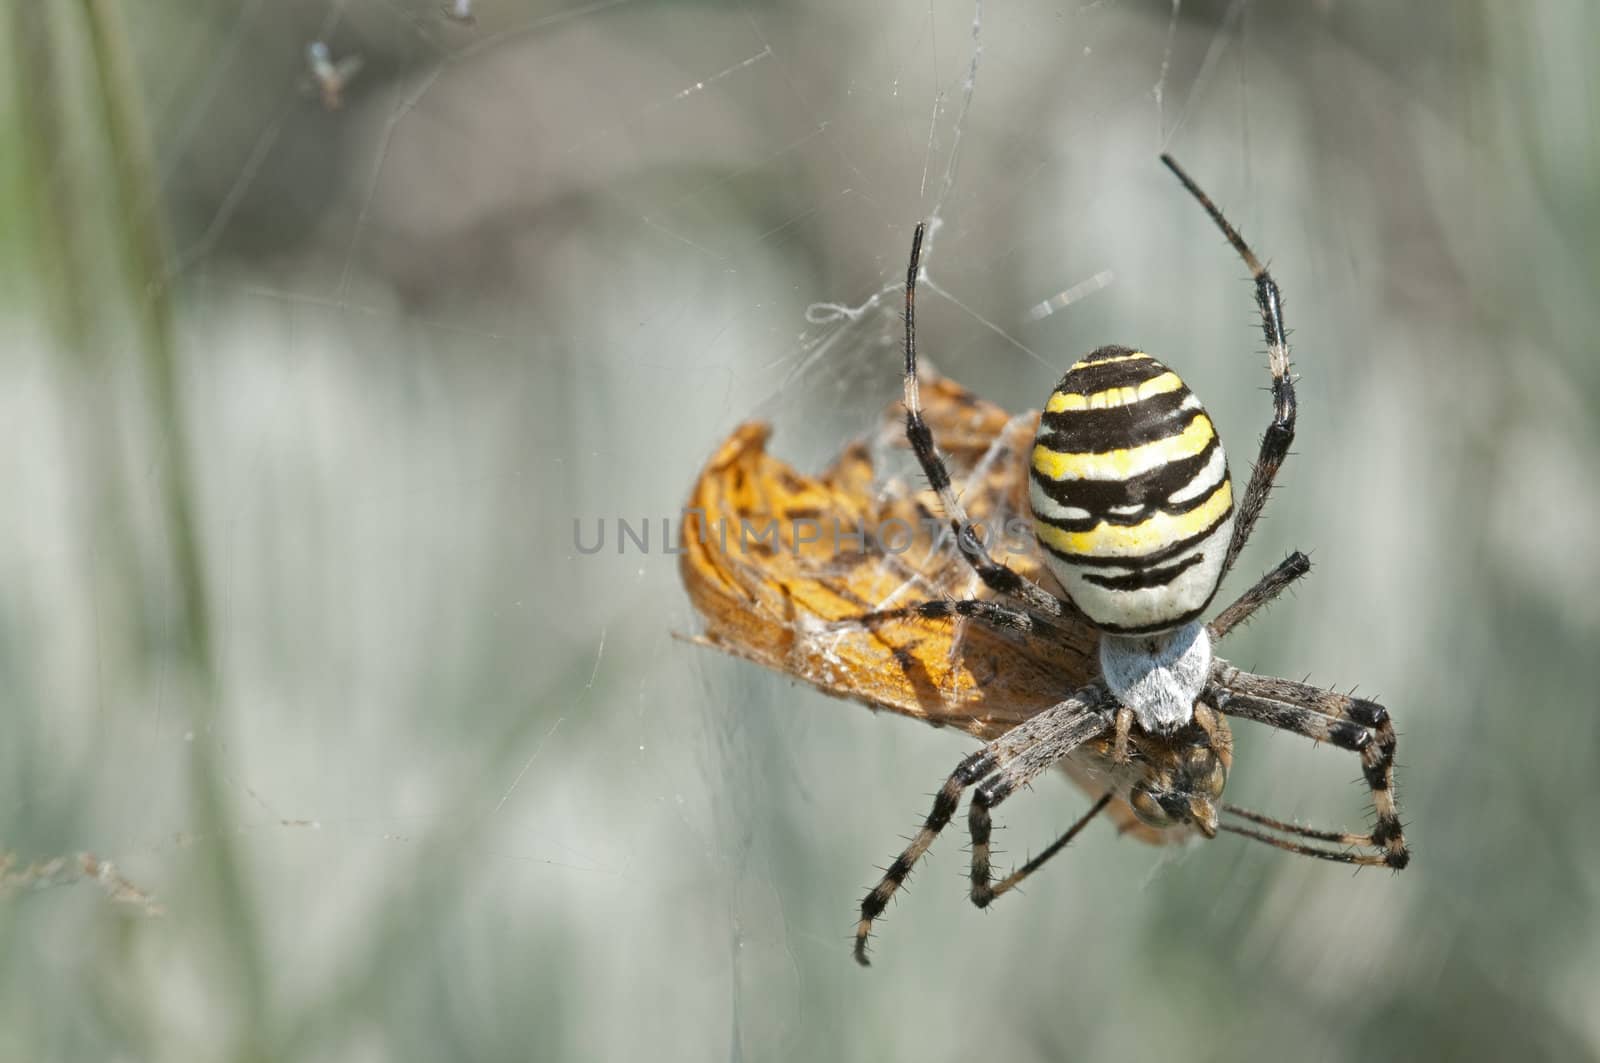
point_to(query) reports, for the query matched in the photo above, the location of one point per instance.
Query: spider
(1133, 509)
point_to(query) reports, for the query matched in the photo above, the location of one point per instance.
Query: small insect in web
(1086, 649)
(327, 78)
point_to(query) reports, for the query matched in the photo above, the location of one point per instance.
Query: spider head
(1158, 676)
(1184, 774)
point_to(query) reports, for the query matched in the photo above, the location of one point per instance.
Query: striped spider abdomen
(1131, 498)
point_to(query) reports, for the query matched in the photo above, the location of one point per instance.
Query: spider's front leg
(1062, 733)
(1355, 724)
(1026, 749)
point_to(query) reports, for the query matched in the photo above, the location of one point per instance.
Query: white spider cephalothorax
(1158, 676)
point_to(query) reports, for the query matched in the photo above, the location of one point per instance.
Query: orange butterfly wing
(777, 563)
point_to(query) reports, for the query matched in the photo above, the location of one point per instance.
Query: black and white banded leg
(1033, 746)
(996, 576)
(1267, 588)
(993, 614)
(1356, 724)
(995, 789)
(1006, 884)
(1280, 432)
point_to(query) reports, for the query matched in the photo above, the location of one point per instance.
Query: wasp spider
(1134, 509)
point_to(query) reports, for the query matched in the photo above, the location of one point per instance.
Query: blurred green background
(300, 406)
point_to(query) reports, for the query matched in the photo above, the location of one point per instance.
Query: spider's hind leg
(998, 577)
(993, 614)
(1279, 435)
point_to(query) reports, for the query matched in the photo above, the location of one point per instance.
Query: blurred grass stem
(74, 233)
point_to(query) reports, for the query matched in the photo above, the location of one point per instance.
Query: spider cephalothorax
(1157, 677)
(1135, 512)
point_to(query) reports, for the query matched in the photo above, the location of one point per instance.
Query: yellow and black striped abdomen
(1130, 491)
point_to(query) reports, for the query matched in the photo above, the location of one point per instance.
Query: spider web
(514, 290)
